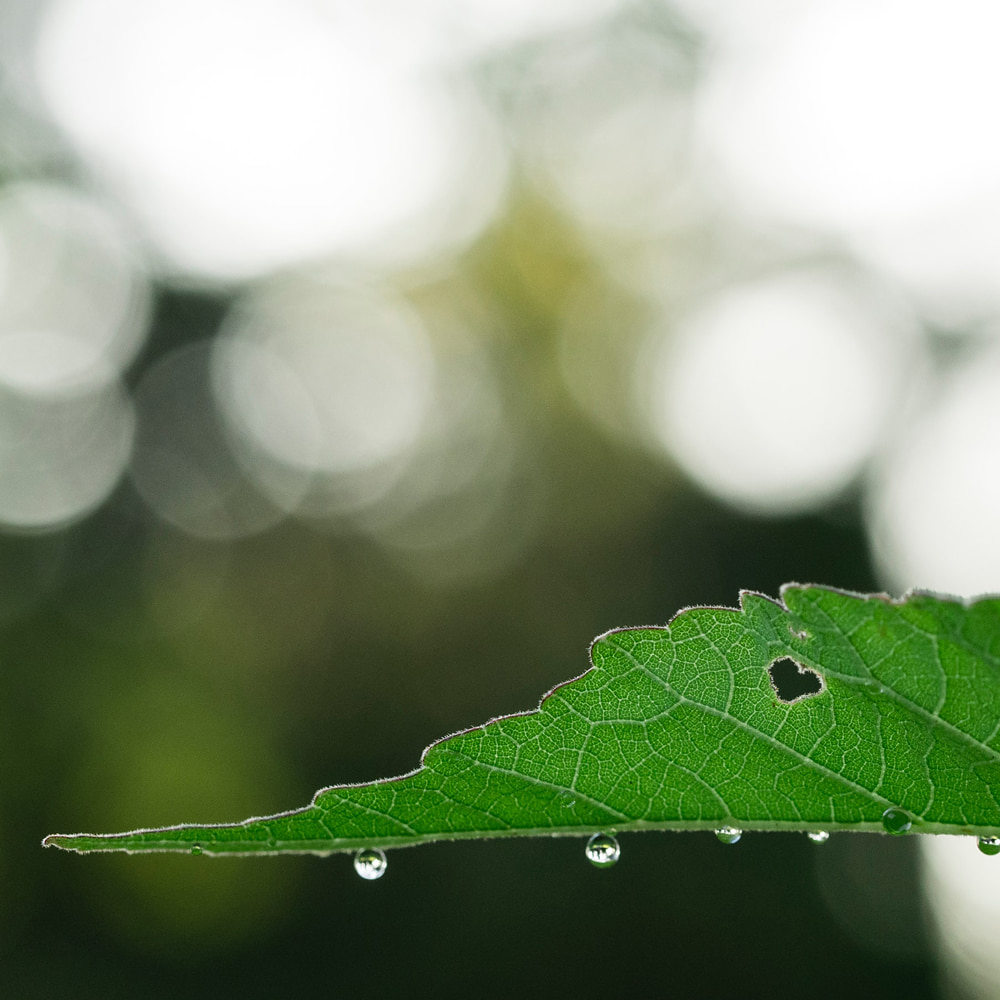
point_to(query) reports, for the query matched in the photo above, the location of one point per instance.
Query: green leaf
(681, 728)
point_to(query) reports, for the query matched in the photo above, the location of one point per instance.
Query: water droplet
(196, 849)
(603, 850)
(728, 834)
(818, 836)
(896, 821)
(989, 845)
(370, 863)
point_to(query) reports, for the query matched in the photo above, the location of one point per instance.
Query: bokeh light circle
(935, 494)
(61, 457)
(323, 383)
(183, 465)
(597, 97)
(771, 395)
(74, 302)
(961, 887)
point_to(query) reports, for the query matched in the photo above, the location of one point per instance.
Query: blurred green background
(357, 367)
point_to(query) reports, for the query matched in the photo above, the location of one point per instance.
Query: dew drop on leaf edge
(896, 821)
(370, 863)
(728, 834)
(196, 849)
(603, 850)
(989, 845)
(818, 836)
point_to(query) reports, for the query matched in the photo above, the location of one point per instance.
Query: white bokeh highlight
(962, 887)
(61, 457)
(772, 395)
(935, 495)
(246, 136)
(870, 119)
(326, 384)
(73, 303)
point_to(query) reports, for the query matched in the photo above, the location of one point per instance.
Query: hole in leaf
(792, 681)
